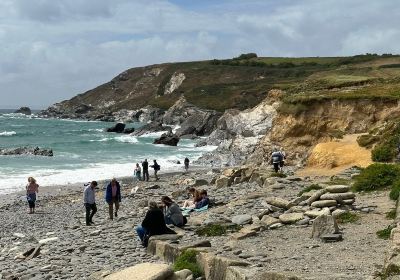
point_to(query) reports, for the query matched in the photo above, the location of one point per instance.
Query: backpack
(157, 167)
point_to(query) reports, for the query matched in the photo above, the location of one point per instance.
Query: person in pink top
(31, 189)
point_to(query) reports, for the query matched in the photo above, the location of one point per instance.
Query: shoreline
(48, 192)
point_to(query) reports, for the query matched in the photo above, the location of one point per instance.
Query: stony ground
(75, 251)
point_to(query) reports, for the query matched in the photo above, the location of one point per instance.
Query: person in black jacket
(153, 224)
(145, 167)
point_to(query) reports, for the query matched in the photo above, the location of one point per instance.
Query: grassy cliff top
(244, 81)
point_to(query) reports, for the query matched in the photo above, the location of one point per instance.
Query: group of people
(137, 174)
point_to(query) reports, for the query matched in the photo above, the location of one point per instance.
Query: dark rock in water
(150, 128)
(129, 130)
(118, 128)
(24, 110)
(26, 151)
(169, 139)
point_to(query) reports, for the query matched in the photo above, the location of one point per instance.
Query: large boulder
(324, 225)
(168, 138)
(24, 110)
(143, 271)
(151, 128)
(118, 128)
(149, 114)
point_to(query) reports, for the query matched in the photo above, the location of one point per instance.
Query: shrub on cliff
(384, 153)
(377, 176)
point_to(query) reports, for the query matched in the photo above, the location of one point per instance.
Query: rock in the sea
(151, 128)
(324, 224)
(118, 128)
(129, 130)
(26, 151)
(24, 110)
(168, 138)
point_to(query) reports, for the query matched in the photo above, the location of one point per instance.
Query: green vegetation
(367, 140)
(391, 214)
(187, 260)
(309, 188)
(385, 233)
(348, 217)
(338, 181)
(377, 176)
(217, 229)
(391, 270)
(278, 174)
(395, 191)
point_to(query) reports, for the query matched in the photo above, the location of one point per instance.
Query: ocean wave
(8, 133)
(126, 139)
(154, 134)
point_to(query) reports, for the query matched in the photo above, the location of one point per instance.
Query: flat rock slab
(291, 218)
(337, 189)
(242, 219)
(324, 203)
(278, 202)
(317, 213)
(144, 271)
(338, 196)
(47, 240)
(269, 221)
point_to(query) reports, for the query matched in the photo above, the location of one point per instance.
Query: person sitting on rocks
(31, 189)
(196, 198)
(153, 224)
(137, 172)
(113, 196)
(172, 212)
(205, 201)
(89, 200)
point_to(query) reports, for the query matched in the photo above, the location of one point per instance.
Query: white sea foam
(8, 133)
(154, 134)
(126, 139)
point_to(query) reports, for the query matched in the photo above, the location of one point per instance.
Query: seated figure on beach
(205, 201)
(172, 212)
(191, 203)
(113, 197)
(153, 224)
(31, 189)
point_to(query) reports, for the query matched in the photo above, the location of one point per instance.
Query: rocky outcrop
(151, 128)
(26, 151)
(117, 128)
(24, 110)
(174, 83)
(168, 138)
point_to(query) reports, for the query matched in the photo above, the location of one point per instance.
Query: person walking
(145, 167)
(186, 162)
(113, 197)
(32, 188)
(137, 172)
(156, 168)
(89, 200)
(277, 159)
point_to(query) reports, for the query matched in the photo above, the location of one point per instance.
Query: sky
(52, 50)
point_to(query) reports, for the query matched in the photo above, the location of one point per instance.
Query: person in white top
(89, 199)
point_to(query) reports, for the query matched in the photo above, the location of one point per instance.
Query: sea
(83, 151)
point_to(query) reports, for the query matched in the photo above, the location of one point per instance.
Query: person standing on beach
(89, 200)
(156, 168)
(145, 167)
(113, 196)
(31, 189)
(186, 162)
(137, 172)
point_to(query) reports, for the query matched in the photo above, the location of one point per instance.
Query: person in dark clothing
(89, 200)
(172, 212)
(204, 200)
(277, 159)
(145, 167)
(186, 164)
(156, 168)
(113, 196)
(153, 224)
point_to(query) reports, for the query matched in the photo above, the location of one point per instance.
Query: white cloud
(54, 49)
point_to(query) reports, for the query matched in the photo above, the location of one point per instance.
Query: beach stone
(324, 203)
(275, 226)
(347, 201)
(338, 196)
(322, 225)
(144, 271)
(19, 235)
(47, 240)
(338, 212)
(291, 218)
(241, 219)
(337, 189)
(317, 213)
(223, 182)
(269, 221)
(332, 237)
(184, 274)
(278, 202)
(315, 196)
